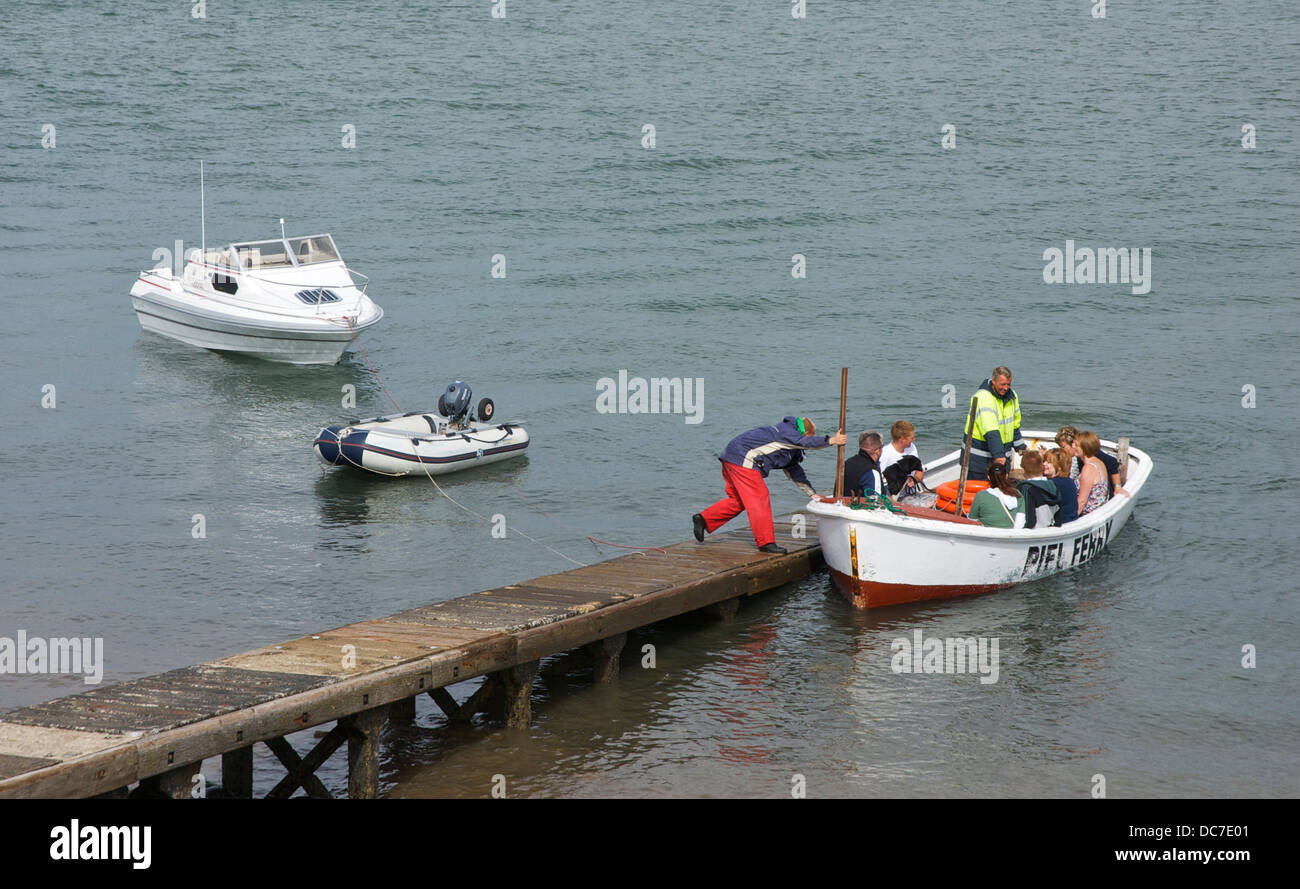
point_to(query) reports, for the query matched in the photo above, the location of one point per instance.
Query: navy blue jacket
(774, 447)
(1069, 490)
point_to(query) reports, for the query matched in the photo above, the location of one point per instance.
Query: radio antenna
(203, 219)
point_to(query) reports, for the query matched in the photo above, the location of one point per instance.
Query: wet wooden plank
(16, 765)
(580, 602)
(42, 742)
(488, 613)
(86, 776)
(639, 612)
(377, 644)
(167, 700)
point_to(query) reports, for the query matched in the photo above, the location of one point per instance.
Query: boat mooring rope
(424, 467)
(872, 500)
(353, 330)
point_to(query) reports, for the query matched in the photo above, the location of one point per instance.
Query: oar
(839, 450)
(965, 455)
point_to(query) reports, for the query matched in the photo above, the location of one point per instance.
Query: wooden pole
(839, 451)
(965, 455)
(1122, 451)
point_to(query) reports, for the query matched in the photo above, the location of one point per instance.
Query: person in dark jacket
(1056, 467)
(746, 461)
(1042, 500)
(862, 470)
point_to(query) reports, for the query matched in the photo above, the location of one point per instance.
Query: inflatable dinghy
(420, 442)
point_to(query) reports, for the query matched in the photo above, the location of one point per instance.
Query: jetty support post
(237, 772)
(176, 784)
(516, 684)
(607, 652)
(363, 751)
(726, 609)
(1122, 451)
(402, 711)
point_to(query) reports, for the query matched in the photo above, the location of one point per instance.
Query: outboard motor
(454, 403)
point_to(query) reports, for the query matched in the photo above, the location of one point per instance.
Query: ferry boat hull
(879, 558)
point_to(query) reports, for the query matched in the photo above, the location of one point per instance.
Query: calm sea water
(773, 137)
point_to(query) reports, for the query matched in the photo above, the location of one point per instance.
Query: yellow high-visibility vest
(992, 414)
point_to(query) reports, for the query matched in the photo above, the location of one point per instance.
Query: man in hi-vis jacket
(997, 423)
(747, 460)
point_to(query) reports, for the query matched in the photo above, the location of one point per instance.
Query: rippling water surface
(774, 137)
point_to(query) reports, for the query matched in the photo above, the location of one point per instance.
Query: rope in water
(428, 474)
(353, 330)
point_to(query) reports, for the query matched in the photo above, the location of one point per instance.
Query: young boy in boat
(746, 461)
(902, 445)
(1042, 499)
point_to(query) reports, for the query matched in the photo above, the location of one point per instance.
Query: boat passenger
(1068, 438)
(1092, 478)
(997, 423)
(1042, 500)
(1000, 505)
(1057, 470)
(862, 471)
(1065, 440)
(902, 444)
(1111, 463)
(746, 461)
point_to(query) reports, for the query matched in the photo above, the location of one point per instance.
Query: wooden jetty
(158, 730)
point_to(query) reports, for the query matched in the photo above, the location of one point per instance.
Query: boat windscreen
(263, 255)
(316, 249)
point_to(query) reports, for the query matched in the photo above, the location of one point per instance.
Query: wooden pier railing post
(237, 773)
(363, 752)
(607, 652)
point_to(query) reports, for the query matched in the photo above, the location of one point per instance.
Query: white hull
(300, 307)
(415, 444)
(880, 558)
(288, 345)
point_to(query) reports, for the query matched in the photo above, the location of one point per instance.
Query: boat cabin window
(317, 296)
(316, 249)
(264, 255)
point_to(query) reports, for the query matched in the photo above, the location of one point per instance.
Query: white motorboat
(887, 556)
(419, 442)
(291, 300)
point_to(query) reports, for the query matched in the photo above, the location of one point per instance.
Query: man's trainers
(772, 548)
(698, 521)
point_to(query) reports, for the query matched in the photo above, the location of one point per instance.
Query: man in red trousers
(747, 460)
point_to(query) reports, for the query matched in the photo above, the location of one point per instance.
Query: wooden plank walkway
(159, 729)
